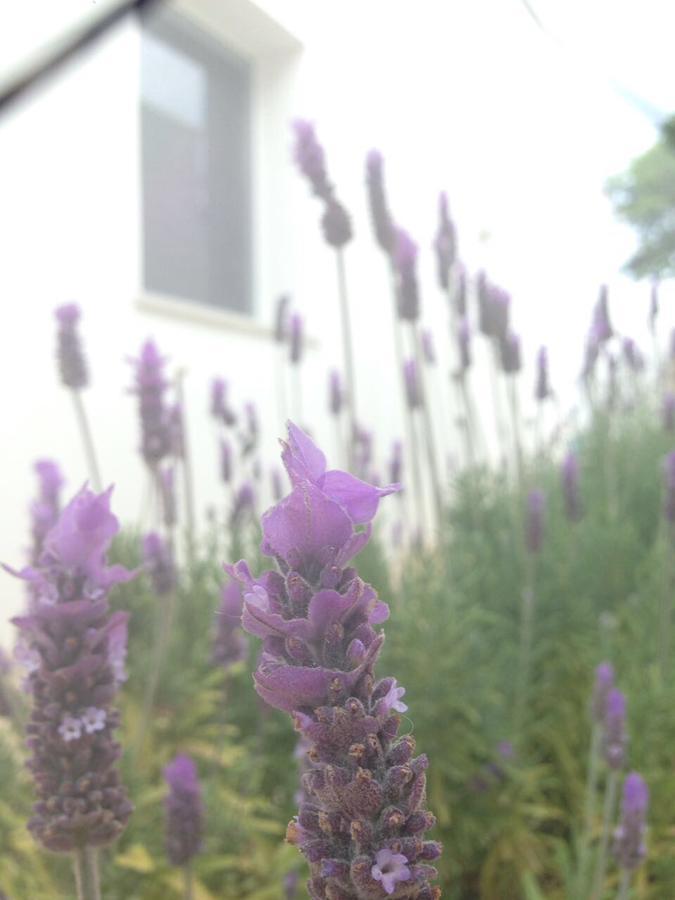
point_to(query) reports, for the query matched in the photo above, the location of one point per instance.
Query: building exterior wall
(369, 74)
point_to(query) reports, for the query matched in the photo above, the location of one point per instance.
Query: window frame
(180, 28)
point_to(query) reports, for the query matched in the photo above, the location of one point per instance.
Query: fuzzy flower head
(614, 737)
(383, 225)
(405, 264)
(71, 360)
(445, 242)
(220, 407)
(310, 158)
(604, 682)
(73, 652)
(536, 511)
(44, 510)
(509, 353)
(464, 345)
(150, 385)
(184, 811)
(542, 390)
(629, 838)
(159, 562)
(319, 624)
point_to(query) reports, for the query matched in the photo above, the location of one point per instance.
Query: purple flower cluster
(383, 224)
(44, 510)
(220, 408)
(464, 345)
(69, 353)
(536, 510)
(405, 265)
(542, 388)
(615, 739)
(310, 159)
(413, 385)
(362, 820)
(509, 353)
(629, 837)
(155, 415)
(445, 243)
(494, 305)
(159, 563)
(184, 811)
(74, 652)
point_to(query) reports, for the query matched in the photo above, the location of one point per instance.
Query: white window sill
(202, 314)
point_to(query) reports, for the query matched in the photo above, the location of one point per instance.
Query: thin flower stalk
(186, 466)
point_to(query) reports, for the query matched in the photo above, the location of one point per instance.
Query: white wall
(467, 96)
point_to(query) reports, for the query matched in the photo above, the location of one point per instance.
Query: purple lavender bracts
(69, 353)
(184, 811)
(74, 651)
(362, 819)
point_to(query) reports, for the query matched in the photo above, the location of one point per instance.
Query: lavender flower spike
(159, 563)
(445, 243)
(542, 390)
(77, 661)
(536, 509)
(428, 347)
(150, 386)
(362, 819)
(413, 387)
(629, 838)
(405, 262)
(614, 737)
(72, 364)
(604, 682)
(44, 510)
(383, 225)
(184, 811)
(220, 407)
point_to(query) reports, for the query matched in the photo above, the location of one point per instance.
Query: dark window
(196, 161)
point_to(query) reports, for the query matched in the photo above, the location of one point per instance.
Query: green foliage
(644, 196)
(510, 826)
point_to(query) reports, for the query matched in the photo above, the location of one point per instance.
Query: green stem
(624, 887)
(87, 879)
(526, 636)
(608, 816)
(666, 617)
(589, 807)
(430, 443)
(188, 482)
(188, 874)
(165, 609)
(348, 350)
(87, 440)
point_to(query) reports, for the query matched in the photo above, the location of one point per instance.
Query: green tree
(644, 196)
